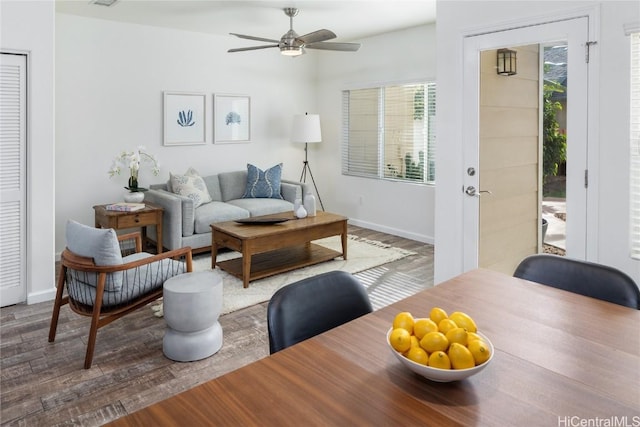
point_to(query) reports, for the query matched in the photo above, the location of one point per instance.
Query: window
(635, 146)
(389, 132)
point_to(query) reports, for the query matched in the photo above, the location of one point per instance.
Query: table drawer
(136, 220)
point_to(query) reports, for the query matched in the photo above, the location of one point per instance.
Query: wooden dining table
(561, 359)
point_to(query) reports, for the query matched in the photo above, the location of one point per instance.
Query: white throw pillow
(190, 185)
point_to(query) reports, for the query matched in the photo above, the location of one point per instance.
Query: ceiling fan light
(291, 50)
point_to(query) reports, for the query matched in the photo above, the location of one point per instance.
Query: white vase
(296, 205)
(301, 212)
(134, 197)
(310, 204)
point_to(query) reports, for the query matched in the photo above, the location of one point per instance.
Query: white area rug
(362, 254)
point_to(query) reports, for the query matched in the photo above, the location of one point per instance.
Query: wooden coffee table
(269, 249)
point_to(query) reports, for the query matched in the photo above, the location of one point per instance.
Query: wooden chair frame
(102, 316)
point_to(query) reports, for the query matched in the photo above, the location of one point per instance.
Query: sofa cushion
(257, 207)
(263, 184)
(190, 185)
(232, 184)
(213, 185)
(212, 212)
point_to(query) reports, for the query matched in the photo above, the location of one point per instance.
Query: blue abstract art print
(184, 118)
(232, 118)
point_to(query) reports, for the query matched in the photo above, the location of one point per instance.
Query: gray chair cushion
(212, 212)
(135, 282)
(100, 244)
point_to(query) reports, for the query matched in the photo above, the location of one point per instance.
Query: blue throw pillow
(263, 184)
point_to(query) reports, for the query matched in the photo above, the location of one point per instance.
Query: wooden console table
(118, 220)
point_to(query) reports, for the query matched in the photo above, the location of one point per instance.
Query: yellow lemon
(472, 336)
(404, 320)
(415, 342)
(400, 339)
(440, 360)
(480, 351)
(421, 327)
(463, 320)
(418, 355)
(446, 325)
(460, 356)
(458, 335)
(434, 341)
(437, 314)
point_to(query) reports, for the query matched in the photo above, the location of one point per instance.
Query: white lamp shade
(306, 128)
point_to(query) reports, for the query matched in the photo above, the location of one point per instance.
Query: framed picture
(184, 118)
(232, 118)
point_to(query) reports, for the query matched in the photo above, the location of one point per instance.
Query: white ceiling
(348, 19)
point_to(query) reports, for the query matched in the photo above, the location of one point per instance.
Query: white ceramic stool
(192, 303)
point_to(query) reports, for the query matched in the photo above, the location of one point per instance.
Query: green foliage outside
(418, 104)
(413, 171)
(554, 151)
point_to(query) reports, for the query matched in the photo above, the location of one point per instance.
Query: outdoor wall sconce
(507, 62)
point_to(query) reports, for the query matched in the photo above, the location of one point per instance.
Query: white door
(517, 229)
(13, 80)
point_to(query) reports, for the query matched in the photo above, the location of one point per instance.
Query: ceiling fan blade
(242, 49)
(317, 36)
(345, 47)
(259, 39)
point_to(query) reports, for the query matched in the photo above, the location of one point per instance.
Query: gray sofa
(185, 226)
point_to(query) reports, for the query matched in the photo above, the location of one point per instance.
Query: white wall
(109, 82)
(402, 209)
(611, 62)
(28, 27)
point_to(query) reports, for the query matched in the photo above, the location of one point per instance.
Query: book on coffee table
(125, 207)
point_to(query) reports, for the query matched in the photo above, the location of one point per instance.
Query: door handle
(472, 192)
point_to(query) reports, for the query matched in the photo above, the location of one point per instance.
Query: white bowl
(441, 375)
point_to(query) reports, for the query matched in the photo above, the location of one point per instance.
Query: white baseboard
(41, 296)
(394, 231)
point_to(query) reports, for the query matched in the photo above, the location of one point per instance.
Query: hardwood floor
(43, 384)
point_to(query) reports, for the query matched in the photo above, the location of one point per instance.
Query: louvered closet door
(12, 179)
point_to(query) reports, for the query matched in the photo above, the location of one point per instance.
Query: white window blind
(635, 146)
(389, 132)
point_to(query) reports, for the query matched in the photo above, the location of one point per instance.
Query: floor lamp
(306, 128)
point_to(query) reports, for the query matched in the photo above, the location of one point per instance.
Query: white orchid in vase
(132, 160)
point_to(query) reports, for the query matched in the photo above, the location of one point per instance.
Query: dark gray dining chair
(581, 277)
(314, 305)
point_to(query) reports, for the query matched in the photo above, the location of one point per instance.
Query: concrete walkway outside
(556, 230)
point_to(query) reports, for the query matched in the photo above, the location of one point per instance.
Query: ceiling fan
(291, 44)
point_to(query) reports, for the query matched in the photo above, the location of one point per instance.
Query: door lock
(471, 191)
